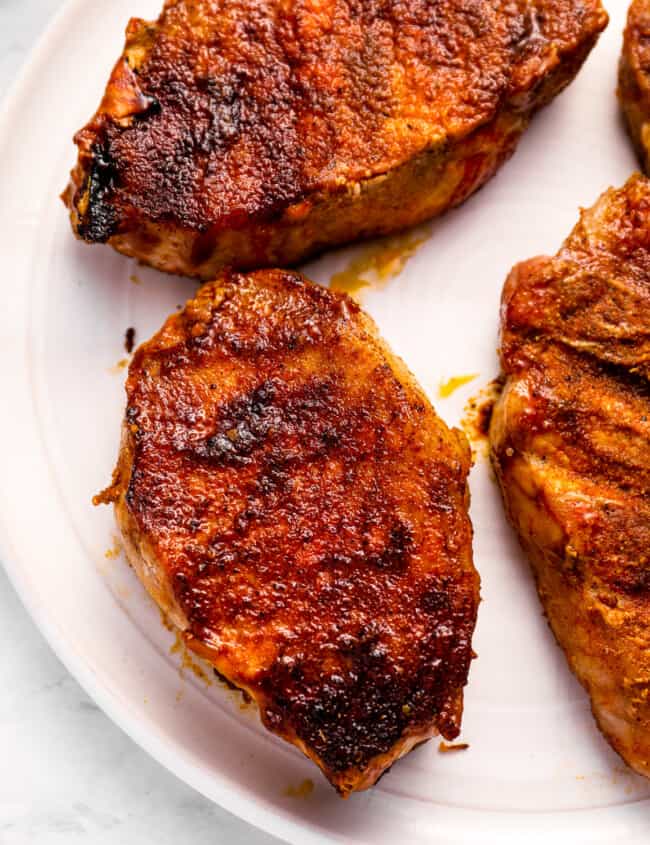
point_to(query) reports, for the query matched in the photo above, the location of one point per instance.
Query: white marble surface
(68, 775)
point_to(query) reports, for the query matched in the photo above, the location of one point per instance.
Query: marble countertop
(68, 774)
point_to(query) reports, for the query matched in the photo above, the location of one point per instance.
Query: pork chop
(570, 440)
(292, 502)
(255, 133)
(634, 79)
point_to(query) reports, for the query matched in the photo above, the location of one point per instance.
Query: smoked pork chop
(570, 441)
(292, 502)
(254, 133)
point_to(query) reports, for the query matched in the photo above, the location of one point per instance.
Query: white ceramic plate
(536, 764)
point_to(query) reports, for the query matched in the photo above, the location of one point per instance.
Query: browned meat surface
(292, 502)
(634, 78)
(255, 133)
(571, 445)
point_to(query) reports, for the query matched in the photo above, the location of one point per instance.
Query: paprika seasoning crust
(292, 502)
(634, 79)
(257, 133)
(570, 440)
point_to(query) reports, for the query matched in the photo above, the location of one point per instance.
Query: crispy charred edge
(345, 779)
(634, 80)
(439, 178)
(142, 557)
(94, 178)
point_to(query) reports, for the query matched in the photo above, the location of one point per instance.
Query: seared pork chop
(256, 133)
(570, 441)
(634, 78)
(292, 502)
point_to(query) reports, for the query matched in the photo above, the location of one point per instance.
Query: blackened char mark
(100, 221)
(362, 707)
(291, 425)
